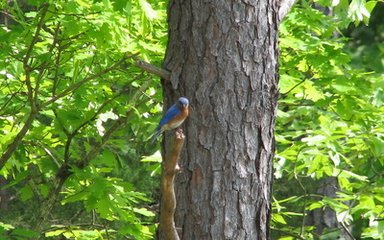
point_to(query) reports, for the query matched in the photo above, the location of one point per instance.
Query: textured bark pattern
(222, 55)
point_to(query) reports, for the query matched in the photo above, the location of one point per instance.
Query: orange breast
(177, 121)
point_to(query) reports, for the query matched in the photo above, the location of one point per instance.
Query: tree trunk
(325, 219)
(223, 56)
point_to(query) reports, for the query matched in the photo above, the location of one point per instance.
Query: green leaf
(74, 197)
(377, 147)
(330, 234)
(6, 227)
(313, 140)
(107, 158)
(19, 177)
(31, 14)
(149, 12)
(317, 164)
(278, 218)
(154, 158)
(104, 209)
(357, 11)
(54, 233)
(25, 233)
(26, 193)
(334, 204)
(144, 212)
(348, 174)
(44, 189)
(315, 205)
(287, 238)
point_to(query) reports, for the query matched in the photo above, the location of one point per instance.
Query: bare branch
(16, 141)
(285, 6)
(308, 76)
(167, 229)
(347, 231)
(292, 88)
(37, 33)
(164, 74)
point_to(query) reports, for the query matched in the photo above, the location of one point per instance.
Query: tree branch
(285, 6)
(308, 76)
(164, 74)
(34, 109)
(36, 35)
(347, 231)
(64, 171)
(85, 80)
(167, 229)
(292, 88)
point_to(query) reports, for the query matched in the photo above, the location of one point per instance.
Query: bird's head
(183, 101)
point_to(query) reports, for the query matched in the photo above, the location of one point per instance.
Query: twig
(347, 231)
(290, 90)
(71, 135)
(49, 153)
(16, 141)
(302, 228)
(36, 35)
(85, 80)
(308, 76)
(11, 95)
(166, 75)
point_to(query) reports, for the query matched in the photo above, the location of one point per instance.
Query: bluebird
(173, 118)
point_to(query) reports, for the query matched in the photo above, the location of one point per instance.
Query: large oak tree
(223, 56)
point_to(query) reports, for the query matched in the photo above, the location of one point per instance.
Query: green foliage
(75, 118)
(74, 113)
(347, 11)
(329, 129)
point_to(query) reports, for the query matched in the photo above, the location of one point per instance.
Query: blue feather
(172, 112)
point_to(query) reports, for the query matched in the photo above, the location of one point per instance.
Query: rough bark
(222, 55)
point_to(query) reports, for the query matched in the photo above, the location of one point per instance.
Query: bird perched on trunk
(173, 118)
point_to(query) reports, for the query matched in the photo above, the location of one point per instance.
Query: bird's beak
(185, 105)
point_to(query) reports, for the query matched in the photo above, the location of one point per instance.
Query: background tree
(223, 56)
(328, 133)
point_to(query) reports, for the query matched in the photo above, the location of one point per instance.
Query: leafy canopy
(74, 113)
(329, 130)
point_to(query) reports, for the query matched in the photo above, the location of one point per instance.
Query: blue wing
(172, 112)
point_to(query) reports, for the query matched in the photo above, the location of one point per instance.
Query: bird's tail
(155, 136)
